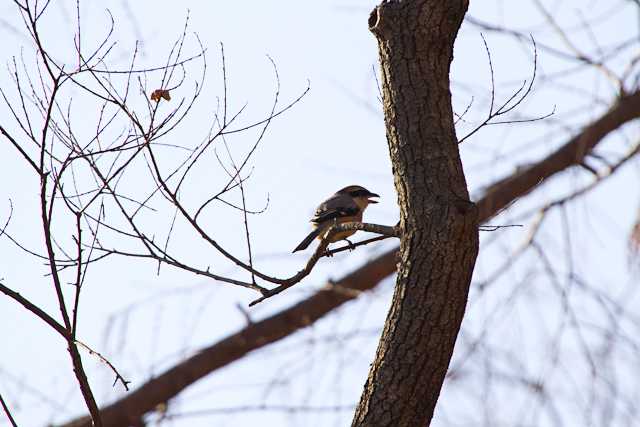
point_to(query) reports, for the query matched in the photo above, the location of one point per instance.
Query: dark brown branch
(37, 311)
(20, 149)
(5, 407)
(351, 247)
(78, 282)
(46, 207)
(320, 251)
(600, 176)
(42, 315)
(504, 192)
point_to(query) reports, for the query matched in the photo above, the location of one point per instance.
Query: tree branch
(504, 192)
(41, 314)
(7, 412)
(321, 251)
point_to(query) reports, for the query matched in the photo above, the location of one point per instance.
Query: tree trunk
(439, 243)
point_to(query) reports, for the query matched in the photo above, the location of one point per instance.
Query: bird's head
(361, 195)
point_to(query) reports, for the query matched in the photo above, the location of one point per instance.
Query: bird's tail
(307, 240)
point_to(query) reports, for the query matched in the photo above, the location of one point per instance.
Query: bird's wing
(336, 206)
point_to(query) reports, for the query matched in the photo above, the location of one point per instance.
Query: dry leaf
(160, 93)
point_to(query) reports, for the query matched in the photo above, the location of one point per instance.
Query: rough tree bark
(439, 243)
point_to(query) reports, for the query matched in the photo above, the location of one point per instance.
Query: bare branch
(517, 97)
(7, 412)
(506, 191)
(321, 251)
(106, 361)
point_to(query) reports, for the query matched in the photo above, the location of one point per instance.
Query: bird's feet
(351, 246)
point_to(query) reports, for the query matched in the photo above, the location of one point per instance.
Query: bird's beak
(372, 195)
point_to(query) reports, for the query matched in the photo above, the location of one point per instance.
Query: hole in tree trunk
(373, 19)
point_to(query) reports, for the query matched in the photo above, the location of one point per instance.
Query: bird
(346, 205)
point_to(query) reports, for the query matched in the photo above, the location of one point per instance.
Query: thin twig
(106, 361)
(8, 412)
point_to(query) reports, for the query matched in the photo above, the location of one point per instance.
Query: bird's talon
(351, 246)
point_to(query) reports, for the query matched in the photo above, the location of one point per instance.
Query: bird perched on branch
(346, 205)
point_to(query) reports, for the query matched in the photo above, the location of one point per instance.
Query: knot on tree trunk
(418, 15)
(374, 20)
(380, 18)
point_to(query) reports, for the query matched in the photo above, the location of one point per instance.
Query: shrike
(346, 205)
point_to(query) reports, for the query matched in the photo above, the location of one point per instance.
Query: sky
(144, 321)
